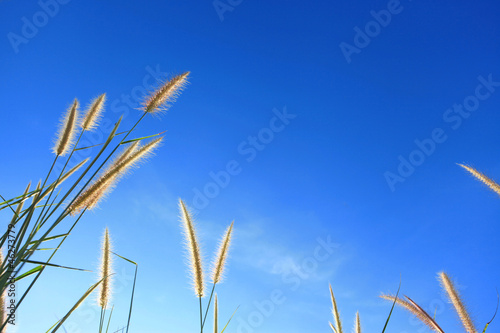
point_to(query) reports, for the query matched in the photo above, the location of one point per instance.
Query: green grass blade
(133, 287)
(229, 320)
(28, 273)
(109, 319)
(77, 304)
(54, 265)
(392, 308)
(49, 238)
(144, 137)
(99, 144)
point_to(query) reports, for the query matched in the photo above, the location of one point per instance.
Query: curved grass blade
(494, 315)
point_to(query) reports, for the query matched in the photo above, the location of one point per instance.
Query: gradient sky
(363, 99)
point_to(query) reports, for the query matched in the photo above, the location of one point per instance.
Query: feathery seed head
(67, 131)
(335, 312)
(416, 310)
(222, 253)
(482, 178)
(457, 302)
(357, 325)
(165, 95)
(94, 113)
(193, 248)
(131, 157)
(106, 270)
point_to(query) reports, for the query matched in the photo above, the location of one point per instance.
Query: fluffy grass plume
(337, 328)
(193, 248)
(105, 271)
(162, 98)
(221, 258)
(483, 178)
(416, 310)
(102, 186)
(94, 113)
(106, 189)
(457, 302)
(66, 134)
(216, 315)
(357, 325)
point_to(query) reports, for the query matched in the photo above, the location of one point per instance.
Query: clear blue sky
(313, 117)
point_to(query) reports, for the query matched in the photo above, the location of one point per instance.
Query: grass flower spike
(357, 325)
(66, 134)
(94, 113)
(162, 98)
(193, 248)
(105, 189)
(105, 272)
(457, 302)
(484, 179)
(128, 159)
(416, 310)
(337, 328)
(221, 258)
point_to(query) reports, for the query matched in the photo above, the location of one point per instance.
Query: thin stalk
(201, 311)
(58, 178)
(131, 300)
(208, 307)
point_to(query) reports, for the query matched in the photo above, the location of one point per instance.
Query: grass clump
(38, 213)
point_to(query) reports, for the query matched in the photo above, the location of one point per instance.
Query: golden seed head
(416, 310)
(130, 158)
(222, 254)
(94, 113)
(193, 248)
(482, 178)
(165, 95)
(335, 312)
(105, 271)
(457, 302)
(67, 131)
(357, 326)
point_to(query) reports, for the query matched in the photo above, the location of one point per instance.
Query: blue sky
(333, 136)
